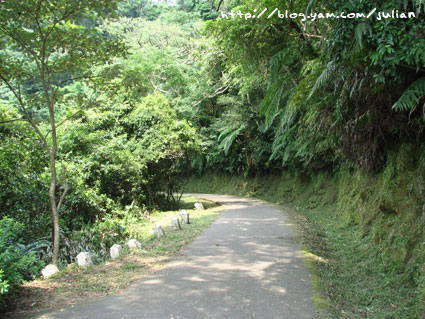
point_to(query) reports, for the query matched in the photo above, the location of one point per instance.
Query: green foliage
(327, 73)
(23, 191)
(119, 140)
(17, 261)
(162, 59)
(46, 45)
(4, 285)
(345, 114)
(412, 96)
(61, 33)
(122, 155)
(280, 87)
(139, 8)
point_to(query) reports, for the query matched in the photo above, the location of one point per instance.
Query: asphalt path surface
(247, 264)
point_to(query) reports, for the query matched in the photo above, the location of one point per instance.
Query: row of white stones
(83, 259)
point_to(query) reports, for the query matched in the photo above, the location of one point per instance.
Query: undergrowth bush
(18, 262)
(96, 238)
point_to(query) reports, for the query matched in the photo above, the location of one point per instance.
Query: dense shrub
(18, 262)
(23, 184)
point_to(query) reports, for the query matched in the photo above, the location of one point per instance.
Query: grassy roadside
(353, 280)
(74, 284)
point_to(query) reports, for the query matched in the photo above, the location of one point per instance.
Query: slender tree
(45, 45)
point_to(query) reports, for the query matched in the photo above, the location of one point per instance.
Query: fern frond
(269, 107)
(280, 86)
(310, 66)
(324, 77)
(361, 29)
(411, 96)
(228, 140)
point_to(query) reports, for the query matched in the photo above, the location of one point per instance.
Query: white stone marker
(199, 206)
(159, 231)
(185, 216)
(134, 244)
(49, 270)
(176, 224)
(83, 259)
(115, 251)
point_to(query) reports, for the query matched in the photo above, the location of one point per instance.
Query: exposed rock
(159, 231)
(49, 270)
(134, 244)
(199, 206)
(185, 216)
(176, 224)
(115, 251)
(83, 259)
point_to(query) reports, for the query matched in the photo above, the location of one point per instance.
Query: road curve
(248, 264)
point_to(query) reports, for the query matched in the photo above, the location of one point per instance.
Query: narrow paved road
(246, 265)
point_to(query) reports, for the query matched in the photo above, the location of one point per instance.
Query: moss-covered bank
(367, 228)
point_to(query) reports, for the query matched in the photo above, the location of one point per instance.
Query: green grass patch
(355, 281)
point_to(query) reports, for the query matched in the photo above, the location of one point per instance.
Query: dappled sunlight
(154, 282)
(314, 257)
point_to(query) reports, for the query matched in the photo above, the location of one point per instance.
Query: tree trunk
(52, 190)
(50, 99)
(54, 212)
